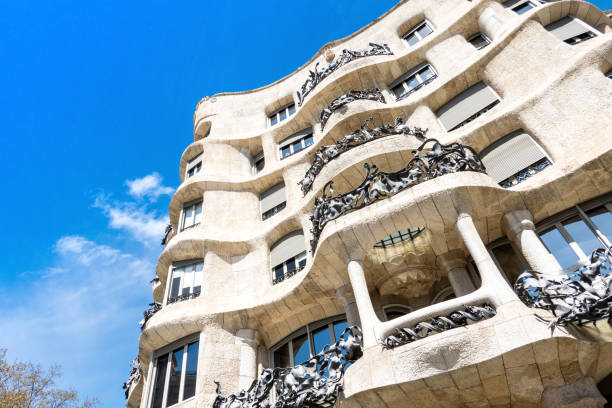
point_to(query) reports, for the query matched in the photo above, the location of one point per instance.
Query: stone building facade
(266, 262)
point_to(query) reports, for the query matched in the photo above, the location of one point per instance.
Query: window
(287, 256)
(519, 6)
(194, 165)
(609, 74)
(192, 214)
(393, 311)
(295, 143)
(185, 280)
(272, 201)
(307, 342)
(412, 81)
(444, 295)
(173, 377)
(467, 106)
(479, 40)
(258, 162)
(572, 235)
(514, 158)
(398, 237)
(571, 30)
(417, 33)
(282, 114)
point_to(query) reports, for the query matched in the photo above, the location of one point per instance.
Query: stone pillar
(490, 275)
(580, 394)
(520, 230)
(364, 303)
(454, 265)
(247, 339)
(345, 293)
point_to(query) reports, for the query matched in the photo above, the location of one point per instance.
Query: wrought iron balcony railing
(476, 115)
(430, 160)
(526, 173)
(345, 99)
(185, 296)
(314, 383)
(273, 211)
(148, 313)
(135, 373)
(287, 275)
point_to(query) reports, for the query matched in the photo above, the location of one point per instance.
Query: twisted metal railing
(287, 275)
(315, 77)
(526, 173)
(148, 313)
(345, 99)
(135, 373)
(314, 383)
(363, 135)
(416, 88)
(436, 161)
(578, 297)
(167, 233)
(438, 324)
(184, 296)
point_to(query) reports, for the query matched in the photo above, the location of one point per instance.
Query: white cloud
(86, 251)
(148, 186)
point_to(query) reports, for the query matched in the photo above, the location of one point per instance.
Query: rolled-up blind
(466, 104)
(567, 27)
(294, 137)
(287, 247)
(511, 154)
(272, 197)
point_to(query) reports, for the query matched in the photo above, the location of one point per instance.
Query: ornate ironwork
(148, 313)
(287, 275)
(184, 296)
(351, 96)
(581, 296)
(425, 165)
(416, 88)
(526, 173)
(315, 77)
(360, 136)
(316, 382)
(476, 115)
(438, 324)
(167, 233)
(134, 376)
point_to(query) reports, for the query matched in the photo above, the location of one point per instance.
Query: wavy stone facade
(242, 290)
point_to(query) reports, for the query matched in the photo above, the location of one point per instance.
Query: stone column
(520, 230)
(364, 303)
(490, 276)
(454, 264)
(247, 339)
(580, 394)
(345, 293)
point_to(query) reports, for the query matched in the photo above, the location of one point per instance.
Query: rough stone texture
(554, 91)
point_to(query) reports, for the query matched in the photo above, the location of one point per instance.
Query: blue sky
(97, 101)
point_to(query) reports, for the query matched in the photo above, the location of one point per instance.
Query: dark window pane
(412, 82)
(603, 221)
(426, 73)
(523, 8)
(582, 235)
(398, 90)
(291, 265)
(339, 328)
(259, 165)
(392, 314)
(559, 248)
(281, 356)
(174, 382)
(273, 120)
(321, 338)
(424, 31)
(308, 140)
(286, 151)
(302, 263)
(301, 350)
(412, 39)
(278, 271)
(190, 173)
(174, 291)
(297, 146)
(291, 110)
(282, 116)
(160, 380)
(191, 370)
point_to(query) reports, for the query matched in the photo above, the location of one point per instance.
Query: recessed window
(399, 236)
(192, 214)
(295, 143)
(519, 6)
(194, 166)
(174, 373)
(418, 32)
(287, 256)
(186, 280)
(412, 81)
(514, 158)
(281, 114)
(571, 30)
(479, 40)
(307, 342)
(609, 74)
(258, 162)
(467, 106)
(273, 201)
(394, 311)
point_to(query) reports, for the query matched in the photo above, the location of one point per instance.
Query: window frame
(275, 117)
(395, 307)
(189, 204)
(415, 73)
(519, 4)
(589, 30)
(194, 163)
(308, 133)
(608, 74)
(296, 259)
(258, 158)
(180, 296)
(168, 350)
(479, 34)
(414, 30)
